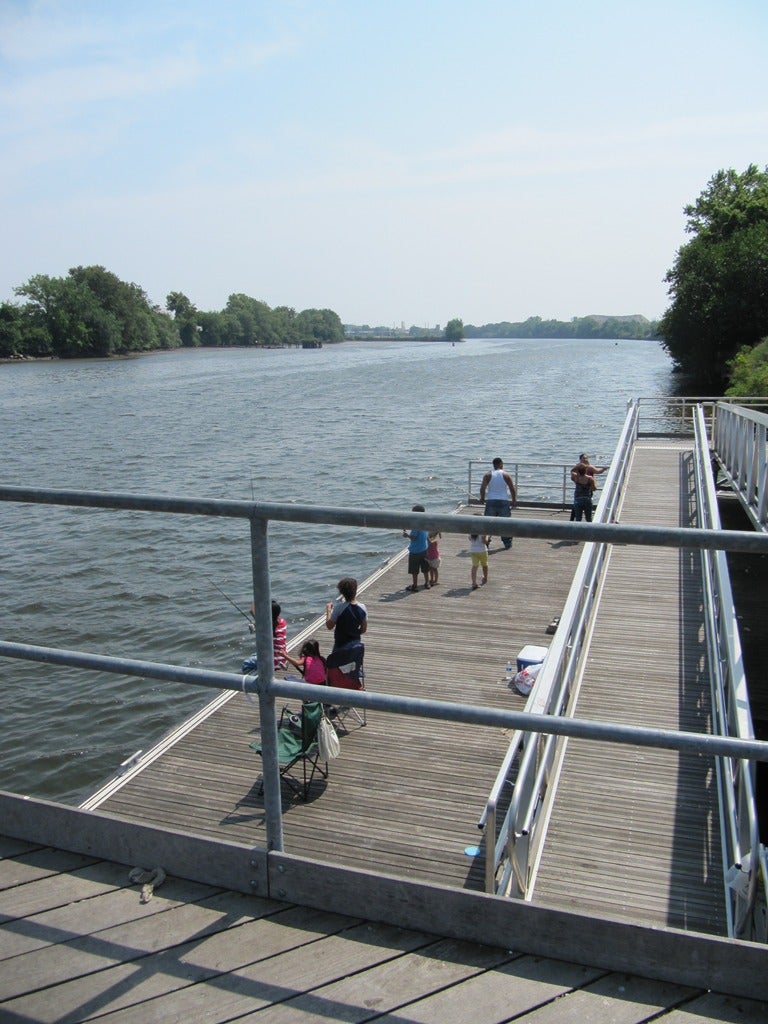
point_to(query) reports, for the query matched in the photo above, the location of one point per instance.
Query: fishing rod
(233, 603)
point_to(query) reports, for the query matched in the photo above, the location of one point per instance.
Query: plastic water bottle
(508, 673)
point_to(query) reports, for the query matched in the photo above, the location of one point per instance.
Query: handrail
(538, 484)
(740, 437)
(731, 714)
(511, 841)
(672, 416)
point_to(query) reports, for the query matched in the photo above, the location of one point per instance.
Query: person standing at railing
(497, 490)
(348, 618)
(584, 488)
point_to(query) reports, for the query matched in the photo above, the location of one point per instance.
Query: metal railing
(674, 416)
(538, 484)
(744, 855)
(740, 437)
(267, 688)
(530, 758)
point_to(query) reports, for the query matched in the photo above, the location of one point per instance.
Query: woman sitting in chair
(348, 619)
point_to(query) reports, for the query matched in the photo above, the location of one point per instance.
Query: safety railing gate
(740, 439)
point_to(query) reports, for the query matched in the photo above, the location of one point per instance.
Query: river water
(382, 425)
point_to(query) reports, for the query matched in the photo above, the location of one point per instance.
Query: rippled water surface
(383, 425)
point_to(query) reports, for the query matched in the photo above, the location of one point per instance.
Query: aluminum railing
(267, 688)
(549, 484)
(740, 437)
(538, 484)
(674, 416)
(528, 763)
(744, 855)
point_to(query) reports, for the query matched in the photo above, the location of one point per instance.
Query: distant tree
(216, 329)
(91, 312)
(284, 325)
(319, 325)
(719, 281)
(454, 330)
(186, 318)
(578, 327)
(11, 334)
(251, 319)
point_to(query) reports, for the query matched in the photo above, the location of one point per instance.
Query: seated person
(310, 663)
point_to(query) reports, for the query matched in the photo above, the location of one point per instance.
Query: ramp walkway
(635, 832)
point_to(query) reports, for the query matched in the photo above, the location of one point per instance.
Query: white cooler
(531, 655)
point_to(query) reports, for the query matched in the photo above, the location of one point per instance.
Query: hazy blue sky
(393, 160)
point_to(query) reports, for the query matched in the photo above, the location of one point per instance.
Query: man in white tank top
(497, 490)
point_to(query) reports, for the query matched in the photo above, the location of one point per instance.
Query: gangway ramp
(634, 832)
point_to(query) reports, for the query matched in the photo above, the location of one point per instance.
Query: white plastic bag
(524, 680)
(327, 740)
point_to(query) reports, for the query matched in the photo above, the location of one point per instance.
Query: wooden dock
(632, 856)
(405, 795)
(77, 944)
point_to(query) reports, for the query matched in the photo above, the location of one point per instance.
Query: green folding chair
(297, 746)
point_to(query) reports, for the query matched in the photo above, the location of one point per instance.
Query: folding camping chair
(345, 671)
(297, 744)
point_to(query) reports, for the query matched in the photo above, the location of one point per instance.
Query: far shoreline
(21, 360)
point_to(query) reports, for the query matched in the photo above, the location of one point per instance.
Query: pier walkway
(633, 832)
(406, 794)
(375, 909)
(636, 832)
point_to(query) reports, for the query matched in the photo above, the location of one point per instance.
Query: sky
(396, 161)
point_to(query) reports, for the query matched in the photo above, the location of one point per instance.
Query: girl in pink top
(310, 663)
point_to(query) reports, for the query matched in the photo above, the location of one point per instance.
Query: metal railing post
(262, 605)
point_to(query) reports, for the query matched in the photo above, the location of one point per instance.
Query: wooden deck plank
(24, 930)
(38, 863)
(173, 959)
(388, 965)
(262, 960)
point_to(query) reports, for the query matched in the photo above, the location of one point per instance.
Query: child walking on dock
(478, 549)
(433, 558)
(417, 554)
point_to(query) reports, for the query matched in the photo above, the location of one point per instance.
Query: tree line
(91, 312)
(578, 327)
(716, 328)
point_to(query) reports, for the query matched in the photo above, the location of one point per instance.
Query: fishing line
(233, 603)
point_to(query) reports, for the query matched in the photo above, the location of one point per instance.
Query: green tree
(91, 312)
(284, 325)
(719, 281)
(319, 325)
(186, 318)
(454, 330)
(11, 333)
(749, 371)
(251, 320)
